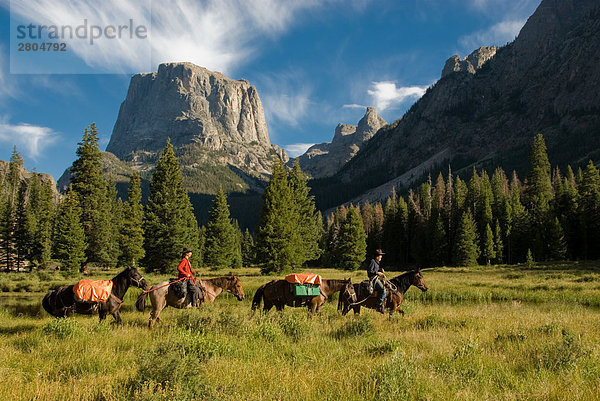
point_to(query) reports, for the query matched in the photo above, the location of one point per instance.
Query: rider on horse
(375, 273)
(187, 274)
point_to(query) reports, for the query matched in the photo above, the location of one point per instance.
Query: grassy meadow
(485, 333)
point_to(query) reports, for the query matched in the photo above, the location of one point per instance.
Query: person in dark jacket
(185, 272)
(375, 272)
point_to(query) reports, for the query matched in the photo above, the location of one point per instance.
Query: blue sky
(315, 63)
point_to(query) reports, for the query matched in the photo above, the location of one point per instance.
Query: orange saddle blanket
(93, 290)
(303, 278)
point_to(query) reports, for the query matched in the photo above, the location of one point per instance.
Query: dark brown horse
(278, 293)
(162, 296)
(61, 302)
(395, 294)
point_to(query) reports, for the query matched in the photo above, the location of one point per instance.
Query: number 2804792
(42, 47)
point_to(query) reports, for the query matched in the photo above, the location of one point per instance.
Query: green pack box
(306, 290)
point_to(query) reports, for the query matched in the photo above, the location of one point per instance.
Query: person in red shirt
(185, 268)
(186, 273)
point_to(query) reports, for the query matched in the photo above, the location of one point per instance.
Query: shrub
(63, 328)
(361, 326)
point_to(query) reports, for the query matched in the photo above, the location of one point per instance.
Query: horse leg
(117, 315)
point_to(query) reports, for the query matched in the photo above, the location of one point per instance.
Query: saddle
(192, 293)
(365, 288)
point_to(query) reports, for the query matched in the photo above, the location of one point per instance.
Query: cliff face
(194, 108)
(546, 81)
(326, 159)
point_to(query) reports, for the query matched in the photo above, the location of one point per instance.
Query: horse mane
(403, 281)
(220, 281)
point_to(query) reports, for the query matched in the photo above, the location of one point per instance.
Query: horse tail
(258, 296)
(140, 304)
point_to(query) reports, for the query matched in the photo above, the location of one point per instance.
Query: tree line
(547, 216)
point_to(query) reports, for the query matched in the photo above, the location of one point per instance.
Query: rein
(165, 285)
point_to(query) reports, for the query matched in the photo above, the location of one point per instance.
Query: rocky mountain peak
(471, 63)
(325, 159)
(188, 104)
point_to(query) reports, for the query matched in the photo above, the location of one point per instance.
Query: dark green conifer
(589, 211)
(498, 243)
(220, 243)
(310, 227)
(352, 246)
(169, 221)
(248, 252)
(278, 235)
(467, 242)
(487, 245)
(69, 236)
(89, 185)
(131, 236)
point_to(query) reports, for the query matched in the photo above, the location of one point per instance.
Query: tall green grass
(534, 338)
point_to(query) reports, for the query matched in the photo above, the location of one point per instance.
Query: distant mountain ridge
(546, 81)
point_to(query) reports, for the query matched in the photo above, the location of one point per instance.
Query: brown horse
(161, 295)
(279, 293)
(395, 294)
(61, 302)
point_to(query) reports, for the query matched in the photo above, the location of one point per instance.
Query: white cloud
(386, 95)
(498, 35)
(32, 138)
(297, 149)
(354, 106)
(216, 34)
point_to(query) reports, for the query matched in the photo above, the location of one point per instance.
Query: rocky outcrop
(325, 159)
(471, 63)
(25, 175)
(547, 81)
(195, 107)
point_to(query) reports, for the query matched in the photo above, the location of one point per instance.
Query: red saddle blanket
(93, 290)
(303, 278)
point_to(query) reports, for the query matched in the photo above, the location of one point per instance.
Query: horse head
(348, 291)
(234, 286)
(417, 280)
(135, 278)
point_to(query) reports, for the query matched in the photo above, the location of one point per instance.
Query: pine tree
(25, 225)
(42, 205)
(131, 236)
(538, 195)
(277, 235)
(169, 221)
(87, 180)
(353, 241)
(237, 248)
(557, 247)
(8, 220)
(248, 252)
(113, 215)
(220, 237)
(467, 248)
(310, 227)
(69, 236)
(498, 243)
(487, 245)
(589, 211)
